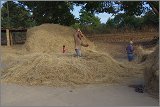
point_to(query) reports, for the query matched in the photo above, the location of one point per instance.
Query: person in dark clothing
(130, 51)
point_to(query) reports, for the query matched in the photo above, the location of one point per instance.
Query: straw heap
(44, 64)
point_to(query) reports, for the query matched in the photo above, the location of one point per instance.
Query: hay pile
(50, 38)
(64, 70)
(142, 53)
(151, 73)
(45, 64)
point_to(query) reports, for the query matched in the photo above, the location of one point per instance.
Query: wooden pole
(7, 35)
(11, 38)
(8, 25)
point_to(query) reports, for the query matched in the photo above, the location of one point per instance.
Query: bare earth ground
(93, 95)
(90, 95)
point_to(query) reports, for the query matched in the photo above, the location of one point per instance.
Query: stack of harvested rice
(44, 64)
(49, 38)
(142, 53)
(64, 70)
(151, 73)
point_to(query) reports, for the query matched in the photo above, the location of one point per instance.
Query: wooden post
(11, 38)
(7, 35)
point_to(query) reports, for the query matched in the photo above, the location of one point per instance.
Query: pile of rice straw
(151, 72)
(44, 64)
(50, 38)
(142, 53)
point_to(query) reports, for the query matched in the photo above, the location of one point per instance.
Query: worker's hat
(131, 42)
(78, 29)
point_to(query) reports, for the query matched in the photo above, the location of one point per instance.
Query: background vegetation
(129, 16)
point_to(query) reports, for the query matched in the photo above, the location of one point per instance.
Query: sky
(103, 16)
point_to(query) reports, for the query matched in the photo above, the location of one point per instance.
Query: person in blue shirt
(130, 51)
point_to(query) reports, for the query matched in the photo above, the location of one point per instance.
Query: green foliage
(126, 20)
(18, 16)
(111, 23)
(76, 26)
(87, 18)
(114, 7)
(87, 22)
(97, 6)
(123, 21)
(132, 8)
(57, 12)
(151, 19)
(26, 14)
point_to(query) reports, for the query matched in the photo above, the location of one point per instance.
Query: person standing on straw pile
(130, 50)
(78, 36)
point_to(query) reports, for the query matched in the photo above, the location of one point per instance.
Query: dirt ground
(90, 95)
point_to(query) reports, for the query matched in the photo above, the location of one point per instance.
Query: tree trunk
(155, 6)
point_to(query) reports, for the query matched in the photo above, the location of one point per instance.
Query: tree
(129, 7)
(155, 6)
(18, 16)
(88, 22)
(138, 7)
(26, 13)
(150, 19)
(97, 6)
(57, 12)
(111, 23)
(123, 21)
(87, 18)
